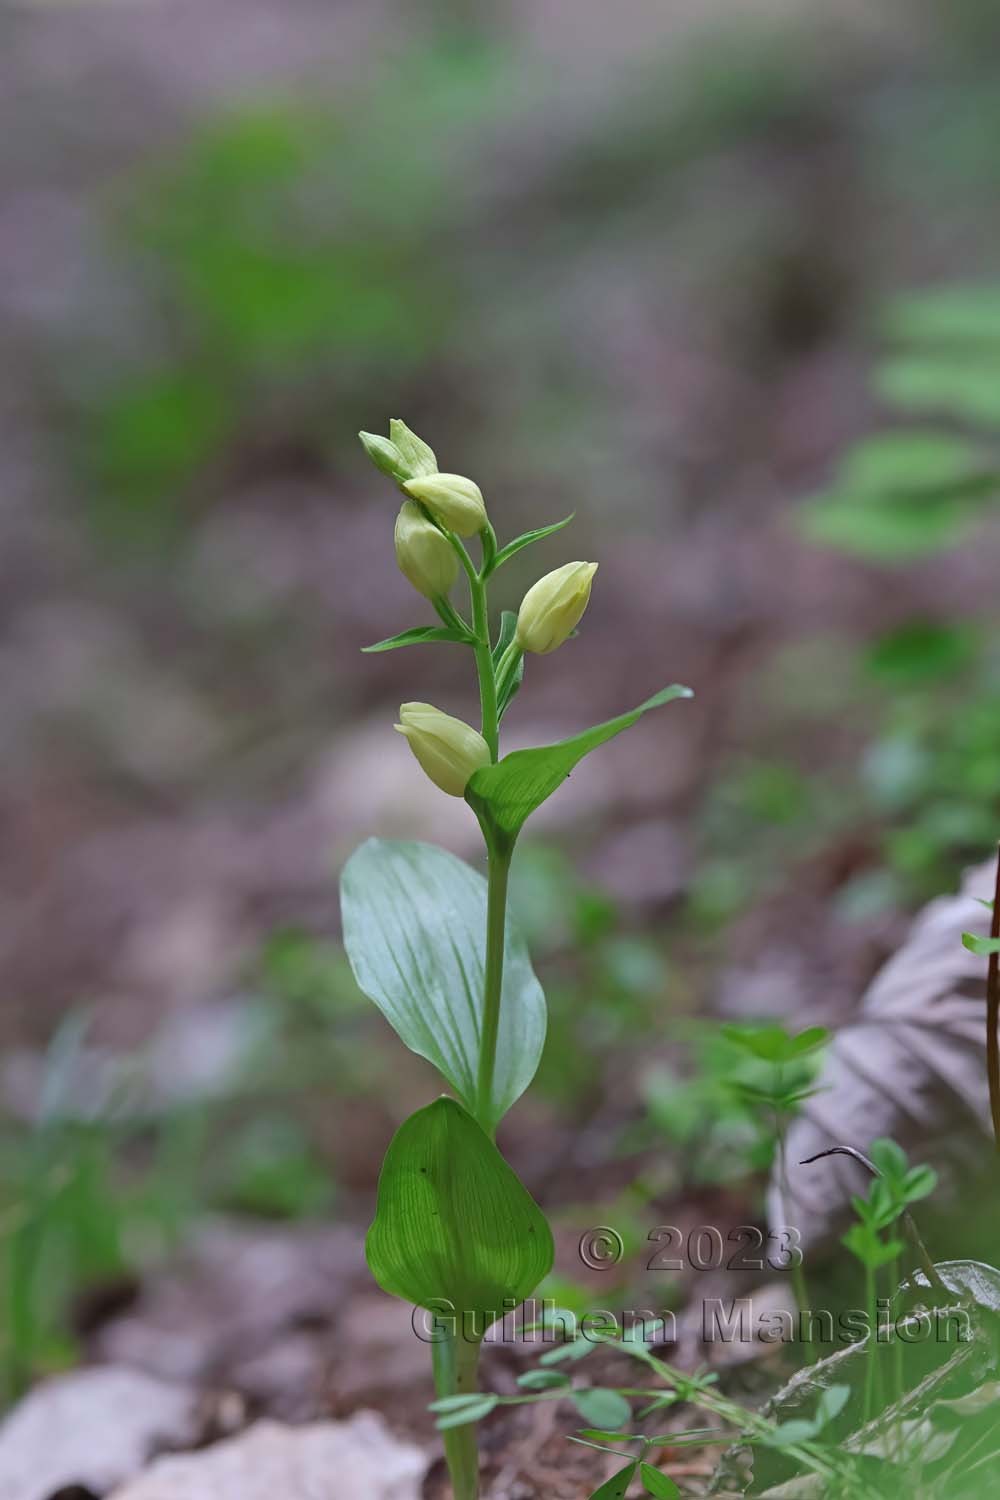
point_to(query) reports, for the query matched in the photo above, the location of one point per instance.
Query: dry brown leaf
(92, 1429)
(913, 1067)
(357, 1458)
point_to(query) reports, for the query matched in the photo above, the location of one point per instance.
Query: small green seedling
(428, 939)
(800, 1440)
(875, 1243)
(776, 1075)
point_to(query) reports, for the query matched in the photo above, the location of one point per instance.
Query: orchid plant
(455, 1232)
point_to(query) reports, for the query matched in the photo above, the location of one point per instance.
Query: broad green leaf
(983, 946)
(657, 1483)
(416, 637)
(414, 930)
(507, 793)
(602, 1408)
(525, 540)
(617, 1488)
(454, 1228)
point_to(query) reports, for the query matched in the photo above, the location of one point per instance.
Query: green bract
(454, 1230)
(505, 795)
(419, 635)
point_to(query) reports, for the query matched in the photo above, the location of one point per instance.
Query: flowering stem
(481, 646)
(498, 870)
(484, 666)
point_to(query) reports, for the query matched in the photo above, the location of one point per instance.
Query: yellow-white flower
(424, 556)
(553, 607)
(448, 749)
(451, 499)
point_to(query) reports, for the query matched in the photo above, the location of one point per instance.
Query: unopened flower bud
(448, 749)
(553, 607)
(384, 455)
(451, 499)
(418, 456)
(424, 556)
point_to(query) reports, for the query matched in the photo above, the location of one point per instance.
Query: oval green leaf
(506, 794)
(657, 1483)
(414, 930)
(454, 1228)
(603, 1408)
(617, 1488)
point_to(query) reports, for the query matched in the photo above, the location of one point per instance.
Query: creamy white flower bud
(553, 607)
(448, 749)
(424, 556)
(451, 499)
(418, 456)
(385, 455)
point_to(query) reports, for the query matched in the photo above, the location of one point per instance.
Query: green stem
(484, 667)
(481, 645)
(872, 1360)
(456, 1361)
(896, 1359)
(498, 871)
(499, 851)
(799, 1287)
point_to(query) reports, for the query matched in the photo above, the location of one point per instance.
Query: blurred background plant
(724, 286)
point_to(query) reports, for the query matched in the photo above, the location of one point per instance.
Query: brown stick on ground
(993, 1015)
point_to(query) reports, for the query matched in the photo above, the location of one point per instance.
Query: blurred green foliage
(295, 262)
(912, 491)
